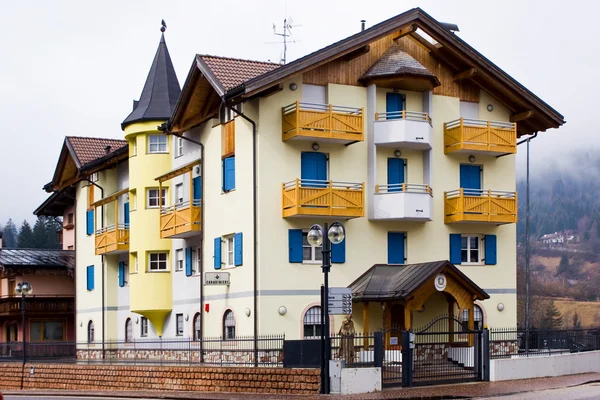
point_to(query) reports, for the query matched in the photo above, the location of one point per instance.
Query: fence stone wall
(162, 378)
(500, 348)
(235, 357)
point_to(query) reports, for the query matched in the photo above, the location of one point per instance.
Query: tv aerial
(286, 33)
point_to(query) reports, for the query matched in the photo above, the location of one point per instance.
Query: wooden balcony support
(475, 205)
(468, 135)
(303, 197)
(322, 121)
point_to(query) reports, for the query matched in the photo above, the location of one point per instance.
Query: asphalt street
(14, 397)
(590, 391)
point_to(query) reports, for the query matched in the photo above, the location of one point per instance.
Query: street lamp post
(316, 237)
(23, 289)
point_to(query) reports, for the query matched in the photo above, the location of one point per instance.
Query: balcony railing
(403, 202)
(404, 114)
(476, 205)
(13, 305)
(306, 197)
(112, 239)
(405, 129)
(322, 121)
(468, 135)
(180, 220)
(403, 187)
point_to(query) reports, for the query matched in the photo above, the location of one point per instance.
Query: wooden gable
(347, 72)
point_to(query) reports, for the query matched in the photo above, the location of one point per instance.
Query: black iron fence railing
(239, 351)
(517, 342)
(356, 350)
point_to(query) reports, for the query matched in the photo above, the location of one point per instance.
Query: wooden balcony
(113, 239)
(475, 136)
(12, 305)
(475, 205)
(327, 122)
(307, 198)
(180, 220)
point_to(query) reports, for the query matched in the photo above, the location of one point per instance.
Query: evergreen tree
(39, 233)
(9, 237)
(52, 227)
(576, 321)
(564, 266)
(25, 239)
(551, 318)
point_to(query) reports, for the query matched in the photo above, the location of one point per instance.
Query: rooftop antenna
(288, 24)
(163, 26)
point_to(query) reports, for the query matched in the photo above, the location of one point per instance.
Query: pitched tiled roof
(397, 62)
(88, 149)
(232, 72)
(37, 257)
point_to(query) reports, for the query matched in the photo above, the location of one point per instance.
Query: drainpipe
(254, 211)
(102, 258)
(166, 129)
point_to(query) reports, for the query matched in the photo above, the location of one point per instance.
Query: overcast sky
(74, 67)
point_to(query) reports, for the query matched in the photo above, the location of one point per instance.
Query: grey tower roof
(160, 92)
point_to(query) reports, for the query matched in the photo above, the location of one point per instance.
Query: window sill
(472, 264)
(157, 152)
(158, 271)
(318, 263)
(229, 191)
(179, 156)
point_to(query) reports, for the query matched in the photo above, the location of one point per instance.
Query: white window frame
(91, 331)
(154, 196)
(94, 177)
(158, 262)
(178, 146)
(179, 260)
(197, 333)
(135, 261)
(128, 330)
(197, 261)
(310, 319)
(126, 273)
(179, 324)
(143, 327)
(228, 251)
(228, 325)
(158, 144)
(477, 317)
(179, 197)
(134, 141)
(480, 249)
(314, 251)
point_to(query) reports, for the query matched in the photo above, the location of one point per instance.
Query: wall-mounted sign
(340, 301)
(440, 282)
(216, 278)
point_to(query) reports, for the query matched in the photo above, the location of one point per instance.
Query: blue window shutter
(89, 226)
(295, 243)
(455, 244)
(217, 255)
(321, 160)
(470, 176)
(228, 174)
(396, 247)
(395, 173)
(394, 102)
(188, 261)
(338, 252)
(490, 249)
(126, 214)
(238, 249)
(197, 183)
(121, 273)
(90, 277)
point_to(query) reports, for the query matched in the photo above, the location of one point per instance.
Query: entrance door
(395, 171)
(314, 170)
(470, 179)
(398, 316)
(394, 103)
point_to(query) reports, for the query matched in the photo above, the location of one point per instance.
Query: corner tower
(149, 157)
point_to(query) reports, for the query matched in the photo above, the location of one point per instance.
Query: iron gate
(391, 354)
(446, 351)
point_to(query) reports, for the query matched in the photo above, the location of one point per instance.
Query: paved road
(584, 392)
(15, 397)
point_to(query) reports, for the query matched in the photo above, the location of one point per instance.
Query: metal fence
(517, 342)
(356, 350)
(184, 351)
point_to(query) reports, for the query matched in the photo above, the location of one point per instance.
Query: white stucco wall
(539, 367)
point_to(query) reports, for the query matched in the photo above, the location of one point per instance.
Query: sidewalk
(458, 391)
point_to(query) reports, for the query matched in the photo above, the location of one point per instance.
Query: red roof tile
(88, 149)
(232, 72)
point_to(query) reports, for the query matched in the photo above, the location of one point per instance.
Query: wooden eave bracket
(522, 116)
(467, 74)
(356, 53)
(405, 31)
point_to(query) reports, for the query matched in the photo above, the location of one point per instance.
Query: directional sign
(339, 301)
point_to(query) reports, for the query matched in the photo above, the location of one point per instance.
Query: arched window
(197, 334)
(90, 332)
(228, 325)
(312, 323)
(128, 331)
(478, 318)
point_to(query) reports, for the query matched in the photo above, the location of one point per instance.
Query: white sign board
(339, 301)
(216, 278)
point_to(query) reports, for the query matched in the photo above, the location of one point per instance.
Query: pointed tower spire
(161, 89)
